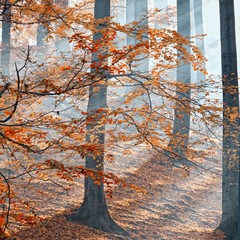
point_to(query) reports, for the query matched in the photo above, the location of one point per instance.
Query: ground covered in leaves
(178, 204)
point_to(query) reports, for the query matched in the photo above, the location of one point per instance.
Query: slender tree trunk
(41, 29)
(231, 131)
(94, 211)
(181, 125)
(198, 18)
(163, 5)
(62, 44)
(137, 11)
(62, 3)
(122, 19)
(140, 12)
(130, 6)
(41, 34)
(6, 40)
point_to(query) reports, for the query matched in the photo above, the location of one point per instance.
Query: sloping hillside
(178, 204)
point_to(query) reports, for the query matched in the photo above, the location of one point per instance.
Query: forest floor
(177, 205)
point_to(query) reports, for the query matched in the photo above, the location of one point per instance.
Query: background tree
(198, 19)
(137, 13)
(130, 17)
(231, 133)
(6, 39)
(163, 6)
(181, 125)
(62, 44)
(140, 14)
(44, 21)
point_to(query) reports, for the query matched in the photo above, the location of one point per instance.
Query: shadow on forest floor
(174, 207)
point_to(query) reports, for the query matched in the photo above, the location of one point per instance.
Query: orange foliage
(36, 126)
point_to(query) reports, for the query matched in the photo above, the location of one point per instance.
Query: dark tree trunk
(6, 40)
(181, 125)
(231, 135)
(198, 18)
(94, 211)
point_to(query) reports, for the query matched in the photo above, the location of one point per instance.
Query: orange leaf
(64, 68)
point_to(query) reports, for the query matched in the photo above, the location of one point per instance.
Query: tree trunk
(41, 34)
(121, 17)
(181, 125)
(6, 40)
(130, 6)
(163, 6)
(137, 11)
(198, 18)
(41, 29)
(62, 43)
(94, 211)
(231, 136)
(140, 12)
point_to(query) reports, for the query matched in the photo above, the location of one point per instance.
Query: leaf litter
(175, 205)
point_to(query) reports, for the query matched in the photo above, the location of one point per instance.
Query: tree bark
(6, 40)
(231, 137)
(94, 211)
(181, 125)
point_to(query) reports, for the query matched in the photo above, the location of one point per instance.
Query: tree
(6, 39)
(94, 211)
(198, 18)
(62, 44)
(231, 137)
(43, 22)
(163, 5)
(137, 14)
(181, 125)
(35, 127)
(130, 17)
(140, 14)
